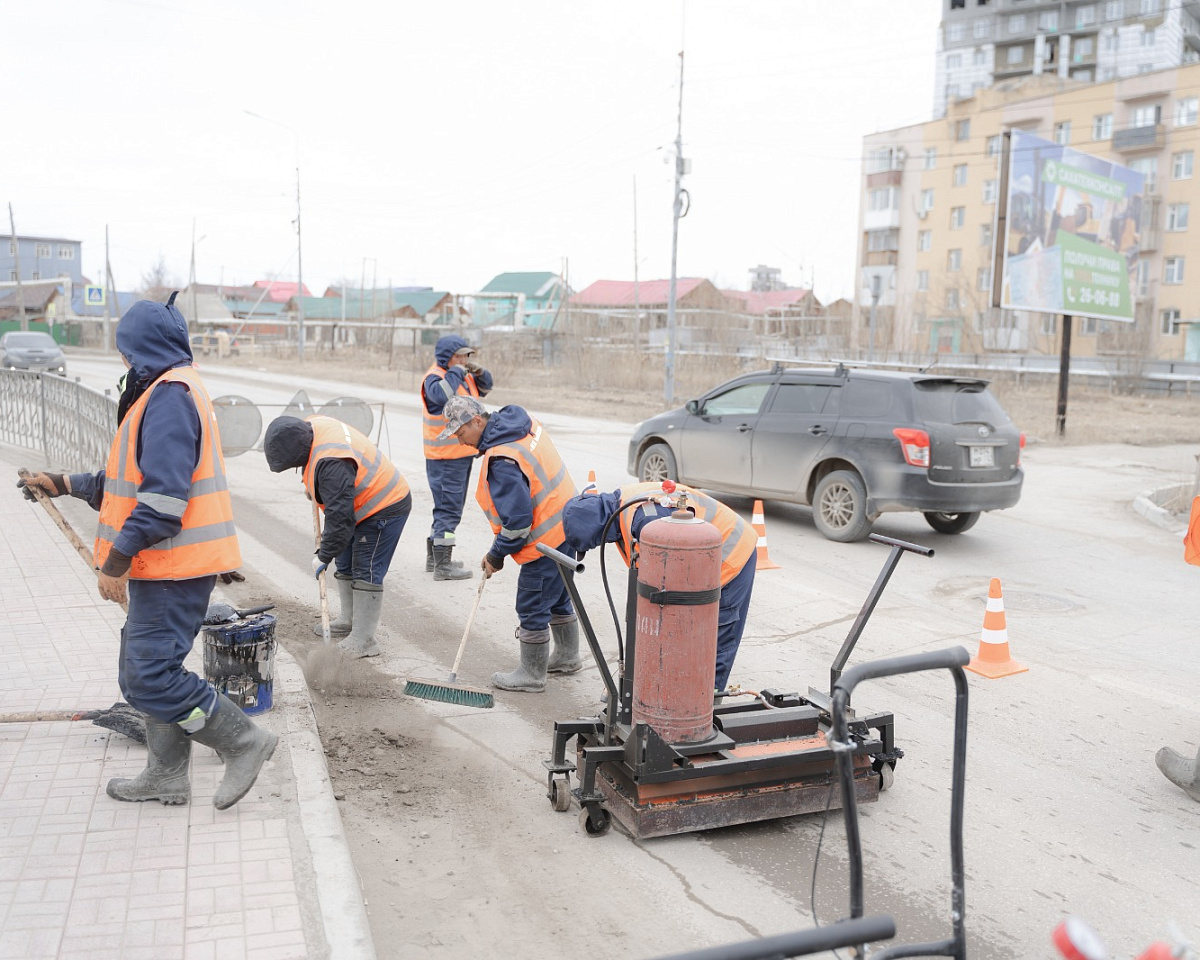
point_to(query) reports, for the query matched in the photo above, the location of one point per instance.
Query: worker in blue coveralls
(165, 534)
(454, 373)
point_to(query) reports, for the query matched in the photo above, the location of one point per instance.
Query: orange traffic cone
(762, 560)
(994, 660)
(591, 484)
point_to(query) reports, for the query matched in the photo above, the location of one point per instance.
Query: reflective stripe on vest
(207, 541)
(738, 539)
(550, 487)
(377, 484)
(448, 448)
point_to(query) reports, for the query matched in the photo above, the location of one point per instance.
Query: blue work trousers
(164, 618)
(731, 618)
(448, 481)
(542, 593)
(370, 552)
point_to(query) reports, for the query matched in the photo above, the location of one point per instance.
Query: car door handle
(816, 430)
(744, 428)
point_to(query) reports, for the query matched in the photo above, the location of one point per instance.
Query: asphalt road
(1066, 812)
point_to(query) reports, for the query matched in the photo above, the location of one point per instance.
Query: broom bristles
(449, 693)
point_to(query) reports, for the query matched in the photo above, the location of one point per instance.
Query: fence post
(42, 399)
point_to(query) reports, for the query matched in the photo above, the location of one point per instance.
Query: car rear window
(866, 398)
(955, 401)
(43, 340)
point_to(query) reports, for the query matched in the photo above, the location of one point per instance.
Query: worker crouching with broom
(523, 485)
(366, 502)
(165, 533)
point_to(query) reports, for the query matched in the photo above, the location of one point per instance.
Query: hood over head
(584, 518)
(447, 347)
(153, 337)
(287, 443)
(506, 424)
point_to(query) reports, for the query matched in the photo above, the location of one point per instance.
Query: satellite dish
(352, 411)
(239, 422)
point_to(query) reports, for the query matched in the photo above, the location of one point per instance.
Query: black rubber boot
(565, 657)
(243, 745)
(446, 569)
(429, 554)
(165, 778)
(1181, 771)
(342, 625)
(530, 676)
(368, 605)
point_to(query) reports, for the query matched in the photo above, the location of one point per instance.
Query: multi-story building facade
(42, 258)
(928, 209)
(981, 42)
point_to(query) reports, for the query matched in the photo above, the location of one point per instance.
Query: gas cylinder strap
(678, 598)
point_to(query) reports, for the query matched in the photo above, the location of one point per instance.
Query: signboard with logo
(1072, 228)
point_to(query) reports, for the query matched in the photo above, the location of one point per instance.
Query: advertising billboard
(1071, 232)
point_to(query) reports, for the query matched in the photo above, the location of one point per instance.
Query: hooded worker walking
(523, 485)
(586, 516)
(366, 501)
(165, 533)
(454, 373)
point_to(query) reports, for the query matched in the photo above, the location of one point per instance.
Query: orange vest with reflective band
(448, 448)
(378, 483)
(207, 542)
(1191, 540)
(550, 487)
(738, 539)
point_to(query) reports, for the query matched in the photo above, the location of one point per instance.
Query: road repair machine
(661, 757)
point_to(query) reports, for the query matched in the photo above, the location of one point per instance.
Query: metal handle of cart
(952, 659)
(800, 943)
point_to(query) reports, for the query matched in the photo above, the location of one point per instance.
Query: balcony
(881, 219)
(880, 258)
(1150, 234)
(884, 178)
(1137, 139)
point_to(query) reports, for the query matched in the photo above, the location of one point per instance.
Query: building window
(1177, 217)
(1148, 37)
(1049, 324)
(881, 240)
(962, 130)
(922, 280)
(1170, 322)
(41, 250)
(1087, 326)
(1145, 68)
(930, 158)
(983, 279)
(1102, 127)
(1083, 76)
(1186, 110)
(1181, 165)
(924, 240)
(1062, 133)
(12, 248)
(927, 200)
(1016, 24)
(1048, 20)
(985, 234)
(1143, 277)
(1150, 8)
(12, 274)
(960, 174)
(952, 299)
(1148, 116)
(993, 145)
(958, 216)
(1112, 10)
(65, 252)
(1173, 270)
(883, 198)
(954, 261)
(1148, 168)
(1112, 42)
(1016, 54)
(979, 59)
(953, 61)
(983, 29)
(1085, 16)
(954, 32)
(1084, 47)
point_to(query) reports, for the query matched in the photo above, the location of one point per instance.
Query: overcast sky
(442, 143)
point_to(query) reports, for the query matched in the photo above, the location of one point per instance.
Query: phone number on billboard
(1102, 298)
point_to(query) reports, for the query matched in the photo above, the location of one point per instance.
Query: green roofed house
(520, 300)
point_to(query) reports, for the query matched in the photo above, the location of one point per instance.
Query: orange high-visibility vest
(738, 539)
(1191, 540)
(377, 484)
(448, 448)
(207, 542)
(550, 487)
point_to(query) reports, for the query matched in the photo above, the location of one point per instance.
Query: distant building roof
(281, 291)
(621, 293)
(530, 284)
(763, 302)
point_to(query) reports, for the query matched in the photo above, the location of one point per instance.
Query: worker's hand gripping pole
(325, 636)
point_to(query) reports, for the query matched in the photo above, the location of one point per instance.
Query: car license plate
(983, 456)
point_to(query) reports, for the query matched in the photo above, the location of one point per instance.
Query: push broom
(450, 691)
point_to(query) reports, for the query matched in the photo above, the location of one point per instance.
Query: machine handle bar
(800, 943)
(902, 544)
(570, 563)
(893, 666)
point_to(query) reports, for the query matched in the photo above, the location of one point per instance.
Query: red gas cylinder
(675, 656)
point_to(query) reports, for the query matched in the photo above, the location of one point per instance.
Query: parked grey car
(31, 350)
(853, 443)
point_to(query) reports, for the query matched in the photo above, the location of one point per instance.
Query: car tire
(657, 463)
(840, 507)
(952, 522)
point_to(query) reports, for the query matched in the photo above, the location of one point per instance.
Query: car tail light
(1021, 448)
(915, 444)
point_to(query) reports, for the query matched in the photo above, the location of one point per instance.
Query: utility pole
(17, 264)
(637, 306)
(108, 293)
(680, 193)
(195, 318)
(299, 264)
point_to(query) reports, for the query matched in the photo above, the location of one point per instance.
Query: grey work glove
(52, 484)
(473, 367)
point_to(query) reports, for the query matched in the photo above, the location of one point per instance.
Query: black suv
(854, 443)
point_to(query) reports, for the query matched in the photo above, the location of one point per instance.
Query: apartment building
(928, 208)
(42, 258)
(982, 42)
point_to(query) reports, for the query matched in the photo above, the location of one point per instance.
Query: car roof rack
(778, 363)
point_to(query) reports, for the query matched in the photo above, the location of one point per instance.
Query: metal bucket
(239, 660)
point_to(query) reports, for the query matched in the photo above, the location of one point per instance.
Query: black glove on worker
(51, 484)
(233, 576)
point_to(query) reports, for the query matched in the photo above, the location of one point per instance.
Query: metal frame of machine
(767, 758)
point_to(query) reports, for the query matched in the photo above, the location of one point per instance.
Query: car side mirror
(693, 406)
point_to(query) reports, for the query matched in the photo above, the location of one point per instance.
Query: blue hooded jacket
(506, 483)
(153, 337)
(437, 390)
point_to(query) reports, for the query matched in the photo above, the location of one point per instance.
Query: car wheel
(840, 507)
(657, 463)
(951, 522)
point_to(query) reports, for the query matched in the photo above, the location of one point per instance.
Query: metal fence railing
(72, 424)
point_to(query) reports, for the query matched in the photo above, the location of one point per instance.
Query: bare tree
(158, 282)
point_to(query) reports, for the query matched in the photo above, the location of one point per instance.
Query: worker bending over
(584, 518)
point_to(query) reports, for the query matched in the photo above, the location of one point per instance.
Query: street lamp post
(299, 239)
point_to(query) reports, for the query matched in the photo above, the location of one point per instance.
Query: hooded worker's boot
(429, 554)
(341, 626)
(565, 656)
(1181, 771)
(368, 604)
(165, 778)
(530, 676)
(446, 569)
(242, 744)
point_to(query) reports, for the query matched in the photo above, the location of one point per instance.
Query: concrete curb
(1146, 505)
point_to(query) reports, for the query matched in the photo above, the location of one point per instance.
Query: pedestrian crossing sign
(93, 296)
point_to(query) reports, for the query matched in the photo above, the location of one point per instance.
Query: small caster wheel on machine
(560, 795)
(595, 820)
